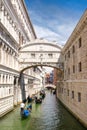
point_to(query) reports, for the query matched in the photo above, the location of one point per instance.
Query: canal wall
(6, 105)
(73, 95)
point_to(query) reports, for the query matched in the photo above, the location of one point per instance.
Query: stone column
(2, 57)
(15, 90)
(22, 86)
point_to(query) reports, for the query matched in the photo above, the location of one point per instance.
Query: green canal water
(50, 115)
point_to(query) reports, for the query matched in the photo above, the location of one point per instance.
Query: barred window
(68, 92)
(68, 54)
(72, 94)
(33, 55)
(80, 66)
(73, 49)
(73, 68)
(80, 42)
(50, 55)
(68, 70)
(79, 97)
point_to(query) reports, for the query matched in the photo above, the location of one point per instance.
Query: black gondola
(38, 101)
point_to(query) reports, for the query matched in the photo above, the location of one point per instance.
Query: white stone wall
(34, 84)
(15, 29)
(22, 13)
(6, 105)
(8, 22)
(6, 90)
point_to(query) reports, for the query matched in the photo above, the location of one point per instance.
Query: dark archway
(42, 65)
(21, 78)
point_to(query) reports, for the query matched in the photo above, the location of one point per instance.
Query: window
(68, 70)
(50, 55)
(41, 55)
(3, 79)
(33, 55)
(9, 90)
(72, 94)
(34, 69)
(80, 66)
(80, 42)
(62, 90)
(79, 97)
(73, 68)
(73, 49)
(68, 92)
(68, 54)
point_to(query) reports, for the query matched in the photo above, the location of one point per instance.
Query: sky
(55, 20)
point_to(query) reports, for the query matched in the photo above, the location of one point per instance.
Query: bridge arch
(28, 67)
(40, 53)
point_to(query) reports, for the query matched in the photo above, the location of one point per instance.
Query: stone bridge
(40, 53)
(50, 86)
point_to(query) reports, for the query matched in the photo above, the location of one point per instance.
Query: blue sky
(55, 19)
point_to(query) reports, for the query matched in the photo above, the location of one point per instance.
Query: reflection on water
(50, 115)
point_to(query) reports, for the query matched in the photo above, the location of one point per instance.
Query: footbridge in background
(50, 86)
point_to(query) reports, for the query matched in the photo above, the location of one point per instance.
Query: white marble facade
(15, 30)
(16, 36)
(40, 52)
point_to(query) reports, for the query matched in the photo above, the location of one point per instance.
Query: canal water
(50, 115)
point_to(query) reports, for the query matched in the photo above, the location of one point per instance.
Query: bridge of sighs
(40, 53)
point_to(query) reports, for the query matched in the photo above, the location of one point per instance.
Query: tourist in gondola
(29, 107)
(25, 111)
(29, 99)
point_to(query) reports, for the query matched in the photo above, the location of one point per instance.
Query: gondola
(42, 94)
(24, 113)
(37, 101)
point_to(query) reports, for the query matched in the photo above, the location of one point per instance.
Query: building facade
(15, 30)
(16, 33)
(72, 89)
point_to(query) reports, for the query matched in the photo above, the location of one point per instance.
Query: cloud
(46, 33)
(52, 22)
(55, 27)
(59, 34)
